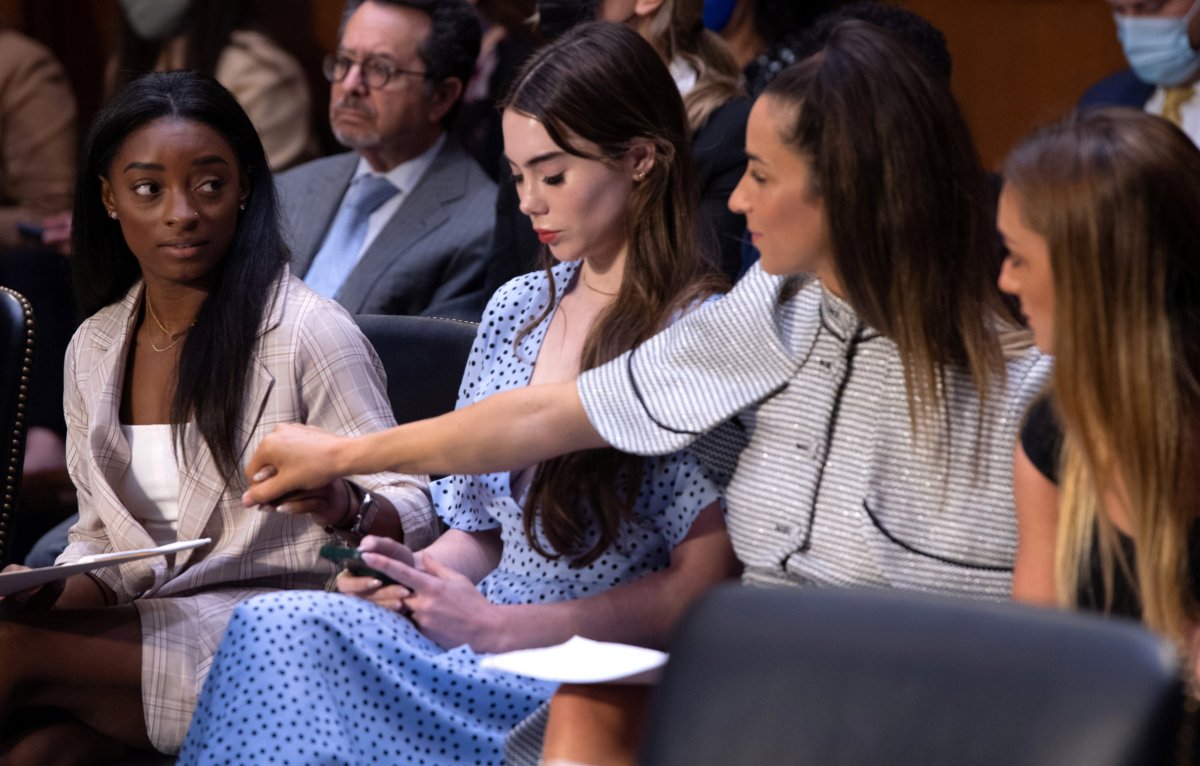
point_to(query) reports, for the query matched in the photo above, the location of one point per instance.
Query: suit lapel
(423, 210)
(312, 215)
(106, 443)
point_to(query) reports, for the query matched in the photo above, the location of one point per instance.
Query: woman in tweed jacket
(871, 405)
(201, 344)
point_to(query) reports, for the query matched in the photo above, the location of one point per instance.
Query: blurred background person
(402, 223)
(1160, 39)
(763, 34)
(224, 40)
(509, 37)
(38, 137)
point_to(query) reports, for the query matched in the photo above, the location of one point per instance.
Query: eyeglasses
(375, 71)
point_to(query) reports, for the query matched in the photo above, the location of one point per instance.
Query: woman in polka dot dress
(532, 556)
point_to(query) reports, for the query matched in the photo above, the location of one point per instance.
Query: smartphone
(351, 559)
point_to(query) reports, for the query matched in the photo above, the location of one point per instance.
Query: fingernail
(264, 473)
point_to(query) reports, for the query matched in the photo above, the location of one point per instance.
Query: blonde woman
(1101, 216)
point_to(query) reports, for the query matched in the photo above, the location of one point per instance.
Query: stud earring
(113, 215)
(242, 206)
(640, 176)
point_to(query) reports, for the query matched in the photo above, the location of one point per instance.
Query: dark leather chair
(16, 366)
(424, 358)
(836, 676)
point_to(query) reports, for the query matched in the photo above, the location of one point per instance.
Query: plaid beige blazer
(312, 366)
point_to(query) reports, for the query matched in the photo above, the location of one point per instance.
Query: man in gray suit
(402, 224)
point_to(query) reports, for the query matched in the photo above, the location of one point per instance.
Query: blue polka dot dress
(305, 677)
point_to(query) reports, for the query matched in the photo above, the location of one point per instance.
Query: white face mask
(155, 19)
(1158, 48)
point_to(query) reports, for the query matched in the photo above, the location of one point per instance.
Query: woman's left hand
(445, 605)
(329, 505)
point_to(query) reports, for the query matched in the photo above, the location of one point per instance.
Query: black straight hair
(211, 379)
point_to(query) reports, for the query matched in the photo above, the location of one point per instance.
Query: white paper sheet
(13, 582)
(583, 661)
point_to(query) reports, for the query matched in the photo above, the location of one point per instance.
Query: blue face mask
(1158, 48)
(717, 13)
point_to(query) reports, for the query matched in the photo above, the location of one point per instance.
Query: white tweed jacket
(806, 409)
(312, 365)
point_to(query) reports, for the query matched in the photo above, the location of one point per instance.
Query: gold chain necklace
(177, 336)
(588, 285)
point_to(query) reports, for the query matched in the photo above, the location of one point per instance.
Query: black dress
(1041, 438)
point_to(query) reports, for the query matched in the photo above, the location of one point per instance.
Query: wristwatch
(365, 517)
(362, 519)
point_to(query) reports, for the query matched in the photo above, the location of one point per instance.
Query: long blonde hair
(1116, 194)
(678, 31)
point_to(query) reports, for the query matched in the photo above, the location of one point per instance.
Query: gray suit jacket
(430, 258)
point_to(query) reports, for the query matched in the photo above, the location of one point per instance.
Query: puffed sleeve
(462, 500)
(694, 375)
(342, 389)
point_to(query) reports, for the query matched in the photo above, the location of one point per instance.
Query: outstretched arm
(511, 430)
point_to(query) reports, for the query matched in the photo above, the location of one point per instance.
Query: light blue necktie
(339, 255)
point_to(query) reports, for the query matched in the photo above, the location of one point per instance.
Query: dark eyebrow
(211, 159)
(753, 157)
(368, 55)
(537, 160)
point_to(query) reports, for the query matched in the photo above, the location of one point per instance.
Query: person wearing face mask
(220, 38)
(1160, 39)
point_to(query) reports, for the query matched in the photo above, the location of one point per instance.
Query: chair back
(16, 366)
(848, 677)
(424, 358)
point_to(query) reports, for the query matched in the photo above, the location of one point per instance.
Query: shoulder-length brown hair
(677, 29)
(603, 84)
(910, 215)
(1116, 194)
